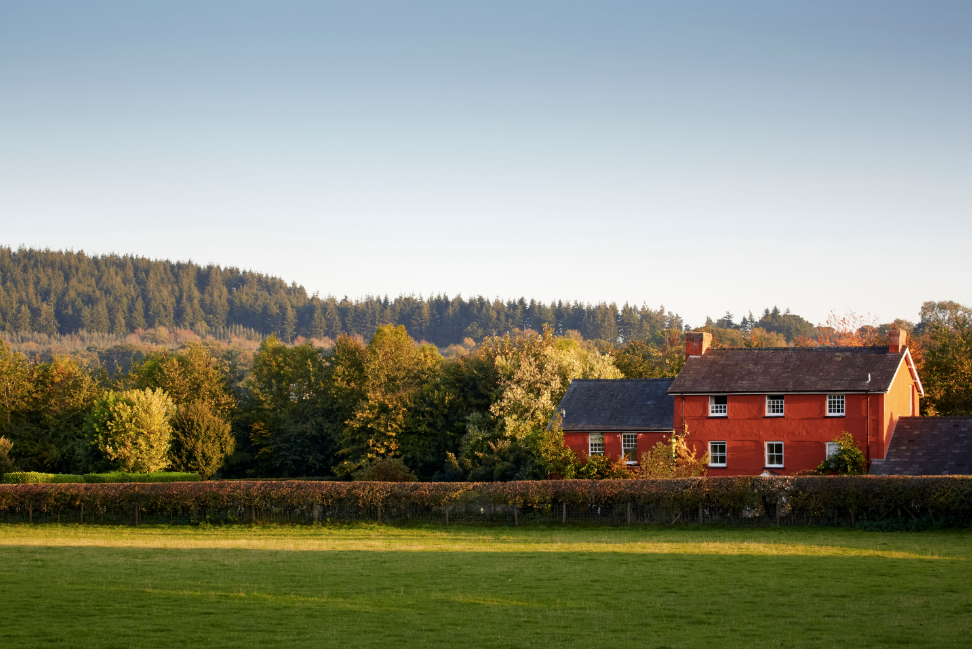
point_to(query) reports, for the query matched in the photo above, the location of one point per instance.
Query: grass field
(372, 586)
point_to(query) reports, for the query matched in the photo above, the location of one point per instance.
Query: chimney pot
(696, 343)
(897, 341)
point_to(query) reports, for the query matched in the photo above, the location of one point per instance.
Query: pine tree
(23, 320)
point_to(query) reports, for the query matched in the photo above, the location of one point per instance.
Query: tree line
(62, 292)
(356, 408)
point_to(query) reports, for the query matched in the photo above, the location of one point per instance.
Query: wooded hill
(63, 292)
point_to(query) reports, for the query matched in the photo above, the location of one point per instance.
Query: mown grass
(374, 586)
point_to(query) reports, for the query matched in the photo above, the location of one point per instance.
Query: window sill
(718, 416)
(837, 416)
(774, 466)
(773, 416)
(717, 466)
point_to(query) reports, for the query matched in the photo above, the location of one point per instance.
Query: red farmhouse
(778, 409)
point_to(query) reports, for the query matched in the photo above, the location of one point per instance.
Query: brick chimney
(897, 341)
(696, 342)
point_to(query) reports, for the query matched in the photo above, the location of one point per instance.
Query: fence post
(82, 513)
(778, 503)
(700, 513)
(136, 514)
(853, 522)
(565, 513)
(516, 520)
(30, 514)
(379, 512)
(629, 513)
(447, 514)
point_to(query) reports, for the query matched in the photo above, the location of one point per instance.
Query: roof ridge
(822, 348)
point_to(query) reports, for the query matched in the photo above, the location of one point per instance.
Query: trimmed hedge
(159, 476)
(33, 477)
(801, 500)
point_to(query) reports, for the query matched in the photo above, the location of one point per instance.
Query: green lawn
(373, 586)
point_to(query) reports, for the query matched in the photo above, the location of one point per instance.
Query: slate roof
(618, 405)
(928, 446)
(788, 369)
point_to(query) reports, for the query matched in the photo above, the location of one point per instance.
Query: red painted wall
(578, 442)
(804, 429)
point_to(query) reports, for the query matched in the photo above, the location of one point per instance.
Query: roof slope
(929, 446)
(617, 405)
(788, 369)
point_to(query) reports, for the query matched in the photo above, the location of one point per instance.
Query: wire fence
(470, 513)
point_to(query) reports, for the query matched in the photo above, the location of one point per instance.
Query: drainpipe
(867, 428)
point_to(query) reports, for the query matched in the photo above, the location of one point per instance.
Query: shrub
(6, 464)
(201, 440)
(848, 460)
(385, 470)
(33, 477)
(132, 429)
(161, 476)
(673, 460)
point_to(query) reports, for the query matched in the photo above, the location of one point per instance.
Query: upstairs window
(718, 407)
(835, 405)
(774, 405)
(629, 446)
(774, 455)
(717, 454)
(595, 444)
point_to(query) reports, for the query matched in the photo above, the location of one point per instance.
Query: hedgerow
(32, 477)
(158, 476)
(809, 499)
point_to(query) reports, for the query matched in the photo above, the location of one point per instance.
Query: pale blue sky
(704, 155)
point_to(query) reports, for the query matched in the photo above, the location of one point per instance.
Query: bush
(33, 477)
(6, 464)
(385, 470)
(161, 476)
(132, 429)
(201, 440)
(848, 460)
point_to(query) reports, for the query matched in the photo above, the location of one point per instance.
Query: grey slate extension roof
(788, 369)
(928, 446)
(618, 405)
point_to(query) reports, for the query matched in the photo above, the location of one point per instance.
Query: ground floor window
(629, 446)
(717, 454)
(774, 454)
(595, 444)
(832, 448)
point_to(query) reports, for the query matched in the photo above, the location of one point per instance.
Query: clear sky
(708, 156)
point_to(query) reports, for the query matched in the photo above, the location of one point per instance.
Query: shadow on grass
(86, 596)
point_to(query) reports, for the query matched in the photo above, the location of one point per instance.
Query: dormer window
(718, 406)
(774, 405)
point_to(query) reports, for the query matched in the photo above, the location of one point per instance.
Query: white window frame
(625, 447)
(718, 409)
(833, 400)
(592, 439)
(766, 455)
(831, 450)
(771, 412)
(725, 455)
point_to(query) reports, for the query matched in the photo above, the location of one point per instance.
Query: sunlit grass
(376, 586)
